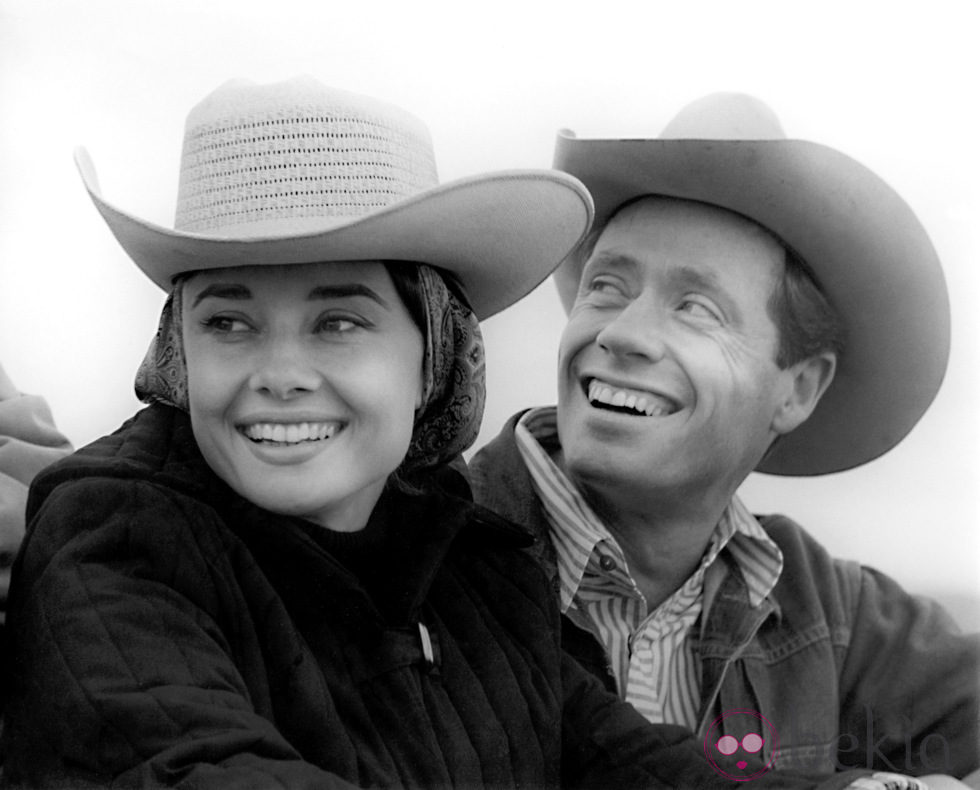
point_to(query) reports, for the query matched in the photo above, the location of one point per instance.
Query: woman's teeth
(290, 433)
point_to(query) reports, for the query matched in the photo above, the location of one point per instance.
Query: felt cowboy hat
(296, 172)
(868, 251)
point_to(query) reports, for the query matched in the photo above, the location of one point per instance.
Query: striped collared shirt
(652, 654)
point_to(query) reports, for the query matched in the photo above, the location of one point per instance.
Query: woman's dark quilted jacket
(165, 631)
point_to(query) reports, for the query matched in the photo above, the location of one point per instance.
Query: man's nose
(639, 330)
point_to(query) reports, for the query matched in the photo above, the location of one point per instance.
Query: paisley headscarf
(453, 369)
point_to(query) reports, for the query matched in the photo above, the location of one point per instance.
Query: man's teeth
(636, 400)
(290, 433)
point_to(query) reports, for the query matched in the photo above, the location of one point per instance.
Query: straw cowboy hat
(296, 172)
(869, 252)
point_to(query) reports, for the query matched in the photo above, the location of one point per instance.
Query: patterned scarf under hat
(454, 371)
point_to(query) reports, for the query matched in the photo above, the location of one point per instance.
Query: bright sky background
(893, 84)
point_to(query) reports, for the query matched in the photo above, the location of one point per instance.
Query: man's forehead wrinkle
(687, 275)
(677, 272)
(614, 257)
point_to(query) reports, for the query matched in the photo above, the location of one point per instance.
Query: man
(745, 302)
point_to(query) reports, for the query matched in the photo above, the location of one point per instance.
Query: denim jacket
(848, 669)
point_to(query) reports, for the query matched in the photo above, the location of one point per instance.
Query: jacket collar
(157, 446)
(501, 483)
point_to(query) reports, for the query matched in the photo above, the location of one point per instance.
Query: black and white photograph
(513, 395)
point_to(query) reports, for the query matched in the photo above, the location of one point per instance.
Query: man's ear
(810, 379)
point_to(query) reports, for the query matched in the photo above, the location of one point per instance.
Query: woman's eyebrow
(223, 291)
(346, 290)
(242, 293)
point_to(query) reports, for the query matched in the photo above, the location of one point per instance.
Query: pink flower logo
(741, 745)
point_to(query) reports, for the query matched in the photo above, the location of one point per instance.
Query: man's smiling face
(667, 372)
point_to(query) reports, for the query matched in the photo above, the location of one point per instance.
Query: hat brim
(863, 242)
(501, 234)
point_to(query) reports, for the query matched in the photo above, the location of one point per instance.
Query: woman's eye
(224, 324)
(336, 324)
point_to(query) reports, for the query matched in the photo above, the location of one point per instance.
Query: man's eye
(699, 310)
(605, 286)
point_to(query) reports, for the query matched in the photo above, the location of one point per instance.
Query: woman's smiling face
(303, 381)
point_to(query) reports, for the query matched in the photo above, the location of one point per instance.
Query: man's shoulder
(503, 444)
(498, 477)
(790, 534)
(501, 483)
(810, 572)
(800, 547)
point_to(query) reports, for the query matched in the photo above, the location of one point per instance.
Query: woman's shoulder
(502, 547)
(486, 526)
(104, 517)
(127, 535)
(493, 559)
(154, 446)
(156, 438)
(140, 489)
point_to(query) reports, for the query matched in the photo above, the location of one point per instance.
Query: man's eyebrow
(223, 291)
(679, 273)
(685, 275)
(346, 290)
(613, 259)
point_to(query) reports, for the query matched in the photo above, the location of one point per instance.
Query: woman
(272, 576)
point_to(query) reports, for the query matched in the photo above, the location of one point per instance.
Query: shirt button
(607, 563)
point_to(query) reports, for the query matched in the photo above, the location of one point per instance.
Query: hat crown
(725, 116)
(861, 240)
(280, 159)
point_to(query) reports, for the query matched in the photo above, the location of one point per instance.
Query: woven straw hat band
(282, 164)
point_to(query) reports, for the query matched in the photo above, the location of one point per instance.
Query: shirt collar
(576, 530)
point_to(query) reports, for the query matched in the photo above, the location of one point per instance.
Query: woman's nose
(284, 370)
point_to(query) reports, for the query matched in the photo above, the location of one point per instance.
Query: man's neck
(663, 544)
